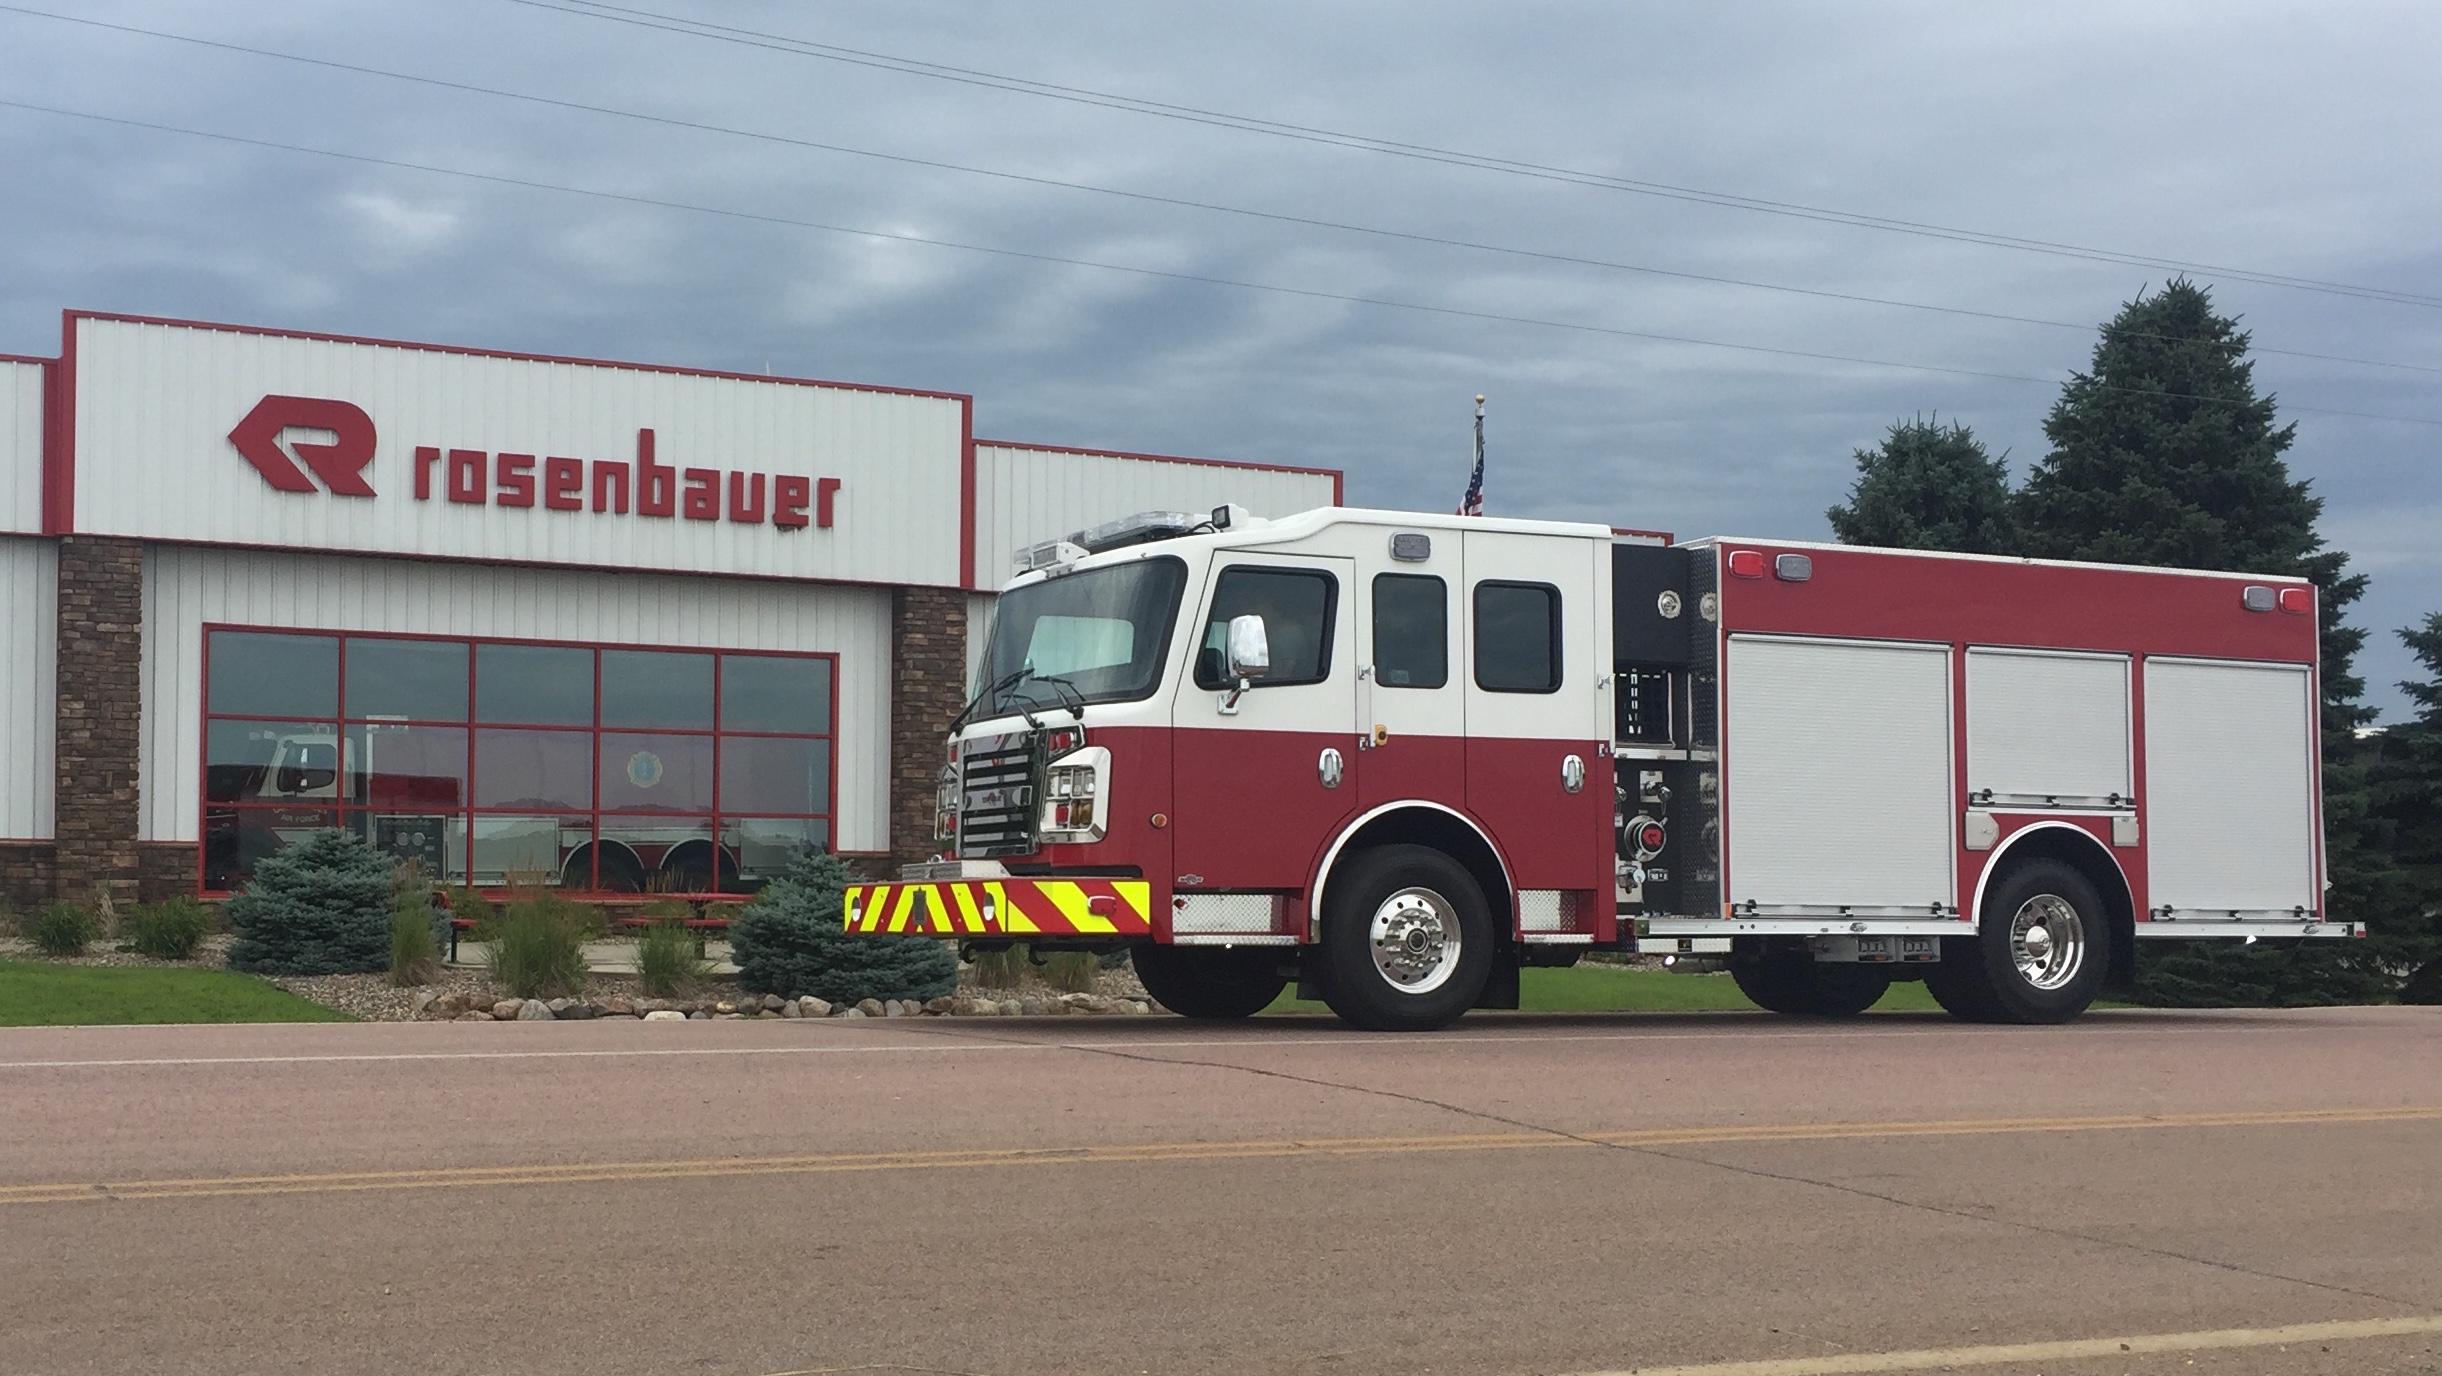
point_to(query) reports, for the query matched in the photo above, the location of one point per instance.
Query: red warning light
(2297, 601)
(1746, 563)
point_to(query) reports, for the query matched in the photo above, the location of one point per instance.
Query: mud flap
(1501, 985)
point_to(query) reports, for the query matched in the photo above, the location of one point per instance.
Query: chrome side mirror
(1246, 655)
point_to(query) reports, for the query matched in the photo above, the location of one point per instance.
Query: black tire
(1210, 983)
(1434, 923)
(1808, 988)
(1986, 980)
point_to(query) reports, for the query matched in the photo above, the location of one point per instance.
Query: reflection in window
(534, 769)
(656, 773)
(1295, 605)
(259, 675)
(411, 680)
(763, 774)
(1517, 637)
(534, 685)
(420, 768)
(657, 688)
(775, 693)
(1411, 631)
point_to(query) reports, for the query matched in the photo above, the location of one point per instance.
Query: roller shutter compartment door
(2230, 788)
(2046, 728)
(1837, 765)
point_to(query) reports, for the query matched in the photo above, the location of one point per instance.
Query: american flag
(1473, 503)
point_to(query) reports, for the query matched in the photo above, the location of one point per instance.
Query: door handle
(1328, 767)
(1573, 774)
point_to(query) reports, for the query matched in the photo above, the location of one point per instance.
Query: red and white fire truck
(1397, 757)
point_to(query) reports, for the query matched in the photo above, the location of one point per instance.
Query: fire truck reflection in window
(1103, 632)
(1296, 606)
(1411, 631)
(1517, 637)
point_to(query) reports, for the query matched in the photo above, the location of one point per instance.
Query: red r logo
(340, 464)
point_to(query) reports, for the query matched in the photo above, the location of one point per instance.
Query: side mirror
(1246, 655)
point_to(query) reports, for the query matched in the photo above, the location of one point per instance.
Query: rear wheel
(1209, 983)
(1407, 940)
(1809, 988)
(2040, 952)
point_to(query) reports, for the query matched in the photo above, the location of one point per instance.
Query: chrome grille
(996, 796)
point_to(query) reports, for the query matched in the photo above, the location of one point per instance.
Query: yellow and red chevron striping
(1001, 907)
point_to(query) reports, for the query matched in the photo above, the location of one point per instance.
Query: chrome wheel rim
(2047, 941)
(1414, 939)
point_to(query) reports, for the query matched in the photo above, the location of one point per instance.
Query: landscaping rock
(474, 1015)
(579, 1011)
(1010, 1008)
(1033, 1008)
(559, 1007)
(665, 1015)
(724, 1007)
(771, 1003)
(812, 1007)
(616, 1007)
(787, 1009)
(853, 1012)
(533, 1010)
(699, 1015)
(939, 1005)
(871, 1008)
(506, 1009)
(1140, 1006)
(424, 998)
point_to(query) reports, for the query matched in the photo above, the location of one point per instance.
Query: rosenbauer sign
(223, 435)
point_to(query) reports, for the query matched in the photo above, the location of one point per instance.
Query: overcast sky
(2293, 141)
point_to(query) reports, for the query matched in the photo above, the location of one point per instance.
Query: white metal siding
(980, 607)
(1837, 763)
(2048, 725)
(29, 681)
(155, 405)
(21, 447)
(2230, 787)
(186, 588)
(1024, 496)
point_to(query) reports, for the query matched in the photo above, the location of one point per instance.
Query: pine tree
(1928, 487)
(2406, 788)
(319, 906)
(2163, 453)
(789, 941)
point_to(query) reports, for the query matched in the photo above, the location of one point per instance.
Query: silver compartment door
(2230, 788)
(2048, 729)
(1836, 759)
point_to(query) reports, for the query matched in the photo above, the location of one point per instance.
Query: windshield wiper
(1075, 709)
(989, 692)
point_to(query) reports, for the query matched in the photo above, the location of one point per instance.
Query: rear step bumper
(1001, 907)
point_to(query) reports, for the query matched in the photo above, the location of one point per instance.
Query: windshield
(1103, 632)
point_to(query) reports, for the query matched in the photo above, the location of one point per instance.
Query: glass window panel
(667, 854)
(765, 846)
(1295, 605)
(775, 774)
(260, 675)
(537, 685)
(657, 688)
(407, 768)
(236, 839)
(435, 840)
(421, 680)
(1517, 637)
(771, 693)
(534, 770)
(270, 761)
(1411, 631)
(527, 849)
(656, 773)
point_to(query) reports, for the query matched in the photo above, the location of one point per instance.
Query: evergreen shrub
(168, 930)
(320, 906)
(788, 942)
(61, 929)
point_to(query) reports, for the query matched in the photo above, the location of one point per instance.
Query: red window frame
(467, 811)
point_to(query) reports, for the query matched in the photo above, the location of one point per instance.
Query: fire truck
(1395, 758)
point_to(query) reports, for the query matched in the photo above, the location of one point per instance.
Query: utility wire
(901, 236)
(1122, 193)
(648, 19)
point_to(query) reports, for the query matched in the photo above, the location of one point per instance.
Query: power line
(1122, 193)
(648, 19)
(902, 236)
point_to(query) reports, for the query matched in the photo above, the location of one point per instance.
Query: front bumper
(1001, 907)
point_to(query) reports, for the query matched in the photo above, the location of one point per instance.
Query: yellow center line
(2073, 1349)
(593, 1172)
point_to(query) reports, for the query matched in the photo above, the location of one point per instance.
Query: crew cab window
(1411, 631)
(1296, 606)
(1517, 637)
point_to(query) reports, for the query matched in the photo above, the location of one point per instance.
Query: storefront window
(594, 769)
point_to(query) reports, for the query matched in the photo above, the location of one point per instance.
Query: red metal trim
(1331, 473)
(510, 355)
(59, 438)
(966, 496)
(1964, 892)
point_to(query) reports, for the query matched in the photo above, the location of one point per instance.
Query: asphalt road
(1734, 1195)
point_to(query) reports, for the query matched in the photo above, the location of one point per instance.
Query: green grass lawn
(37, 993)
(1611, 989)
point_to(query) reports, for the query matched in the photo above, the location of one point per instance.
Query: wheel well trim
(2001, 852)
(1331, 855)
(599, 844)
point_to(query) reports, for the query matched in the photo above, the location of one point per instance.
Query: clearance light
(2257, 599)
(1793, 568)
(1746, 563)
(1063, 740)
(1073, 812)
(2297, 601)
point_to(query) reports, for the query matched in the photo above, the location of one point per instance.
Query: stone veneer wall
(166, 869)
(101, 655)
(928, 673)
(26, 879)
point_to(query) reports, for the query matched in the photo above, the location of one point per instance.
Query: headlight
(945, 805)
(1076, 798)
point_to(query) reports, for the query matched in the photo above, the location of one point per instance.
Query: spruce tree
(790, 941)
(2163, 453)
(1928, 487)
(319, 906)
(2406, 787)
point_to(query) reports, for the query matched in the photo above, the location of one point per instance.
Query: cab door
(1259, 791)
(1411, 703)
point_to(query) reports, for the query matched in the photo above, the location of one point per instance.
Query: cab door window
(1296, 606)
(1411, 631)
(1517, 637)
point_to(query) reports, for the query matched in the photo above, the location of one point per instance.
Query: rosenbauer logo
(480, 477)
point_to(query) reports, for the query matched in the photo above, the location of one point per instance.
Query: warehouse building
(609, 626)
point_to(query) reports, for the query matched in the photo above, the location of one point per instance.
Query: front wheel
(1407, 940)
(2041, 949)
(1209, 983)
(1809, 988)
